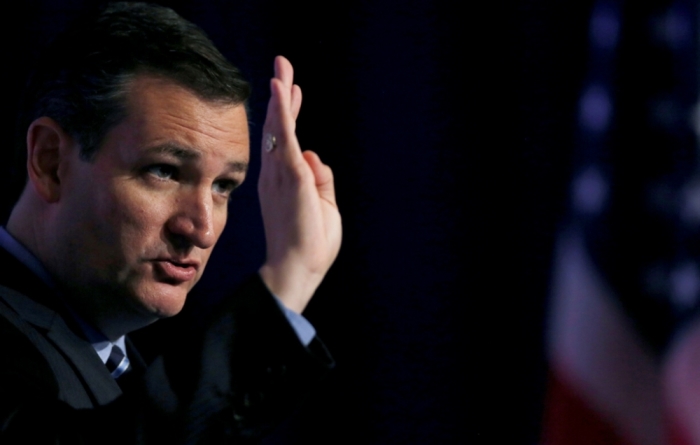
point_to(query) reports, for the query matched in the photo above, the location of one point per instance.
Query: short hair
(81, 79)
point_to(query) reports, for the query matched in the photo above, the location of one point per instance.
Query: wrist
(293, 286)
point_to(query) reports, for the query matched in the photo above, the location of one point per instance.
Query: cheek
(137, 218)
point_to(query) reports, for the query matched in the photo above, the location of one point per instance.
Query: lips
(174, 271)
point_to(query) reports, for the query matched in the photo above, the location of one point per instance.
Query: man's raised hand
(297, 198)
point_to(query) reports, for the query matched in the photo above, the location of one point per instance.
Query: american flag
(624, 333)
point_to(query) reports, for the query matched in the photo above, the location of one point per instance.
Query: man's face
(142, 217)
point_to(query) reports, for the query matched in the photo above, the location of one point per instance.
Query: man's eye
(224, 187)
(162, 171)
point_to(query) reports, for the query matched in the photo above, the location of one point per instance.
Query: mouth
(174, 271)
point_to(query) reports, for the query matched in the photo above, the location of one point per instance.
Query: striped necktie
(117, 363)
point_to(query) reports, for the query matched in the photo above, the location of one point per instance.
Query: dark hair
(81, 78)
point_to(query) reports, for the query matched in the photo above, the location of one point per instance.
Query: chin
(163, 302)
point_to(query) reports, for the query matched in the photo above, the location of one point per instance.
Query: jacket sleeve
(250, 371)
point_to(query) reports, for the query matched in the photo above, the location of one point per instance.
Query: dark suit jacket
(228, 384)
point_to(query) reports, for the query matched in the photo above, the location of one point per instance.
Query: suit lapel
(85, 360)
(78, 369)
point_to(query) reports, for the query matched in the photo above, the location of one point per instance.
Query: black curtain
(449, 128)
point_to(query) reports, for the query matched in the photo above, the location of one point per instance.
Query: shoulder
(24, 365)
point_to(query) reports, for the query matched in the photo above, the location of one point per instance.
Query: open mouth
(174, 272)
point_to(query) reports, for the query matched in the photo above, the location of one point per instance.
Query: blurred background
(452, 129)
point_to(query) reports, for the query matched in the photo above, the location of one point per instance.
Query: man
(136, 137)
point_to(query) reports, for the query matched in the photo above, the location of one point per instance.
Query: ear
(47, 147)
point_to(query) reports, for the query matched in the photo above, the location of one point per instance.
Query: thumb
(323, 176)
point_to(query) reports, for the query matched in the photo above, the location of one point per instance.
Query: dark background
(449, 127)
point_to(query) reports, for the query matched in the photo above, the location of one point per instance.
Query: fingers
(282, 111)
(279, 110)
(296, 101)
(285, 73)
(280, 124)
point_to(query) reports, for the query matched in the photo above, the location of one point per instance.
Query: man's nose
(193, 221)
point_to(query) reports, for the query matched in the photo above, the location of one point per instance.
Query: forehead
(161, 112)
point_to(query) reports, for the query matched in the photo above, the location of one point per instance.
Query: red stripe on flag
(681, 381)
(569, 420)
(677, 435)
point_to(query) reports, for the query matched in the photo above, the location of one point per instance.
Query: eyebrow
(190, 154)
